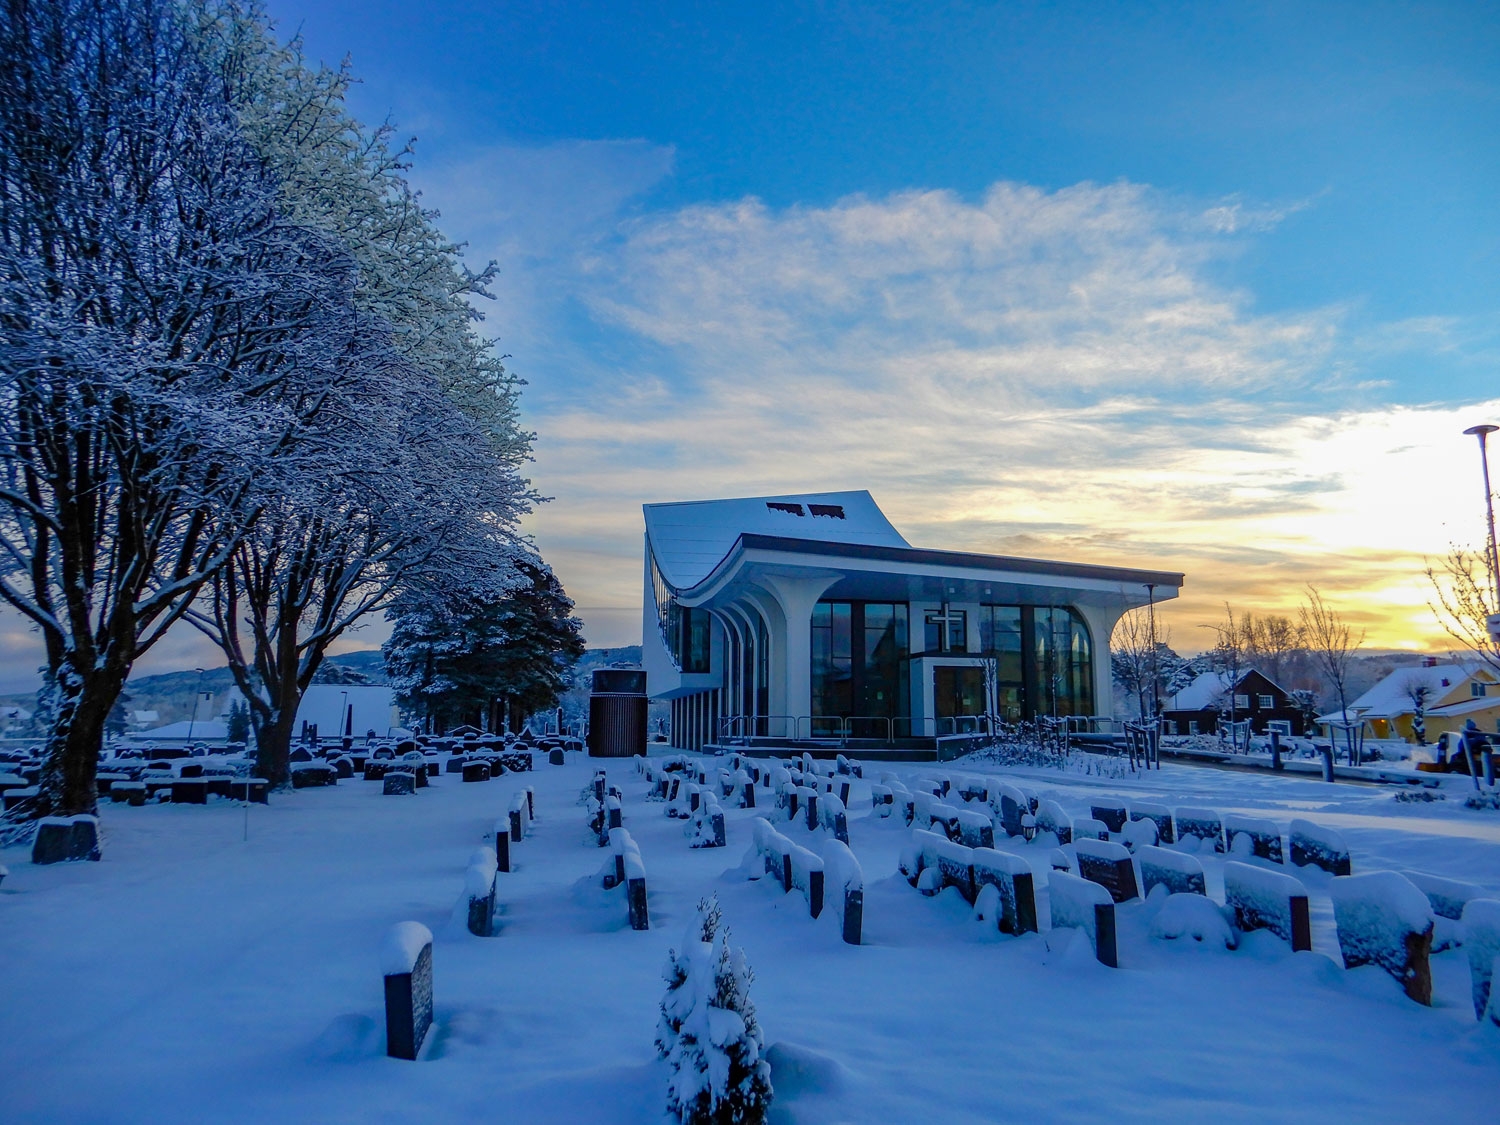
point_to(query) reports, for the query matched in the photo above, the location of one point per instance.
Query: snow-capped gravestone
(479, 889)
(1251, 836)
(1193, 917)
(1013, 805)
(1202, 826)
(1112, 816)
(501, 837)
(398, 783)
(1087, 828)
(1010, 875)
(1051, 818)
(1384, 920)
(1159, 815)
(1086, 906)
(1447, 897)
(1268, 900)
(845, 881)
(1481, 920)
(1315, 846)
(475, 771)
(1108, 865)
(1179, 872)
(1139, 834)
(61, 839)
(406, 960)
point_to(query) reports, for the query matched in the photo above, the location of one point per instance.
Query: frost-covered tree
(418, 481)
(1272, 644)
(1332, 644)
(166, 334)
(451, 659)
(709, 1033)
(1417, 690)
(1135, 665)
(1465, 601)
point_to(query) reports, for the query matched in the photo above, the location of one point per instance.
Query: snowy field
(194, 975)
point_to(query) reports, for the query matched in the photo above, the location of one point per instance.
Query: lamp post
(197, 695)
(1492, 557)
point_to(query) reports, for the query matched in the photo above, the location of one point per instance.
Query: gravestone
(1108, 865)
(502, 845)
(455, 764)
(376, 769)
(476, 771)
(344, 765)
(190, 791)
(1263, 836)
(133, 792)
(1179, 872)
(635, 893)
(1087, 906)
(1159, 815)
(407, 962)
(253, 790)
(1383, 919)
(1201, 825)
(479, 886)
(1268, 900)
(400, 783)
(1316, 846)
(1011, 876)
(63, 839)
(300, 754)
(1112, 815)
(556, 757)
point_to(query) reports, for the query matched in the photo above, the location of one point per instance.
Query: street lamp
(197, 695)
(1492, 558)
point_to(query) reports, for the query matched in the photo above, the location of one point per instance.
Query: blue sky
(1212, 287)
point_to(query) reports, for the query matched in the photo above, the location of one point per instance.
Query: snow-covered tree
(1419, 691)
(418, 479)
(709, 1033)
(166, 334)
(1134, 664)
(1332, 645)
(1465, 601)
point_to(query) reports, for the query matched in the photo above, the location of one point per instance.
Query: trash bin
(617, 713)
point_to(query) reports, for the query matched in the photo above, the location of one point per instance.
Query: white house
(787, 618)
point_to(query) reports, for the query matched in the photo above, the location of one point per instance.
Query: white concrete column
(1101, 621)
(796, 598)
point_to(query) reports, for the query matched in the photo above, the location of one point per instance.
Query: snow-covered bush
(1482, 943)
(708, 1032)
(1484, 802)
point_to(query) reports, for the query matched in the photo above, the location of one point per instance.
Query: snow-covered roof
(323, 704)
(199, 730)
(1392, 695)
(1202, 693)
(689, 538)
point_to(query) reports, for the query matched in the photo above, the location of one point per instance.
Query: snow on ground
(196, 975)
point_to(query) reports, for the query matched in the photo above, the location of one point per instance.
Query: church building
(785, 620)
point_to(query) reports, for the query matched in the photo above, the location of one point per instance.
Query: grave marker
(407, 963)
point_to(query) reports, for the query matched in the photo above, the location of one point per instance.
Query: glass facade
(686, 632)
(1043, 658)
(859, 660)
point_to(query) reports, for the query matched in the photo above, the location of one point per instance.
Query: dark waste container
(617, 713)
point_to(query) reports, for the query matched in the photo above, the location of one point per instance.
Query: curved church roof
(690, 538)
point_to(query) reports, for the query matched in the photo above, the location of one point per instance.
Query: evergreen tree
(675, 1004)
(719, 1076)
(450, 662)
(238, 722)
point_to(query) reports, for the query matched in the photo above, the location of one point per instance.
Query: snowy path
(193, 976)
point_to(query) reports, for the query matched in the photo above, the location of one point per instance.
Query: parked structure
(808, 617)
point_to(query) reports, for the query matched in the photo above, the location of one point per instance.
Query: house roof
(688, 539)
(1205, 690)
(1392, 695)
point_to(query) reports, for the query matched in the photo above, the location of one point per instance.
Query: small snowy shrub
(708, 1031)
(1418, 796)
(1486, 802)
(675, 972)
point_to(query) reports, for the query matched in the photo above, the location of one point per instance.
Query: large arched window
(1042, 657)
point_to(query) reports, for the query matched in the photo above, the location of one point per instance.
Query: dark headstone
(344, 766)
(455, 764)
(408, 1008)
(1115, 873)
(502, 846)
(190, 769)
(400, 783)
(556, 757)
(1113, 816)
(190, 791)
(375, 770)
(476, 771)
(66, 839)
(131, 791)
(516, 826)
(854, 915)
(300, 754)
(635, 892)
(1106, 947)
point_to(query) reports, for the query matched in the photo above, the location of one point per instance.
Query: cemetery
(499, 934)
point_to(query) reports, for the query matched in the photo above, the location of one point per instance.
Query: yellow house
(1453, 694)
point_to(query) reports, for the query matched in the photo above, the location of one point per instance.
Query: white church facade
(793, 619)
